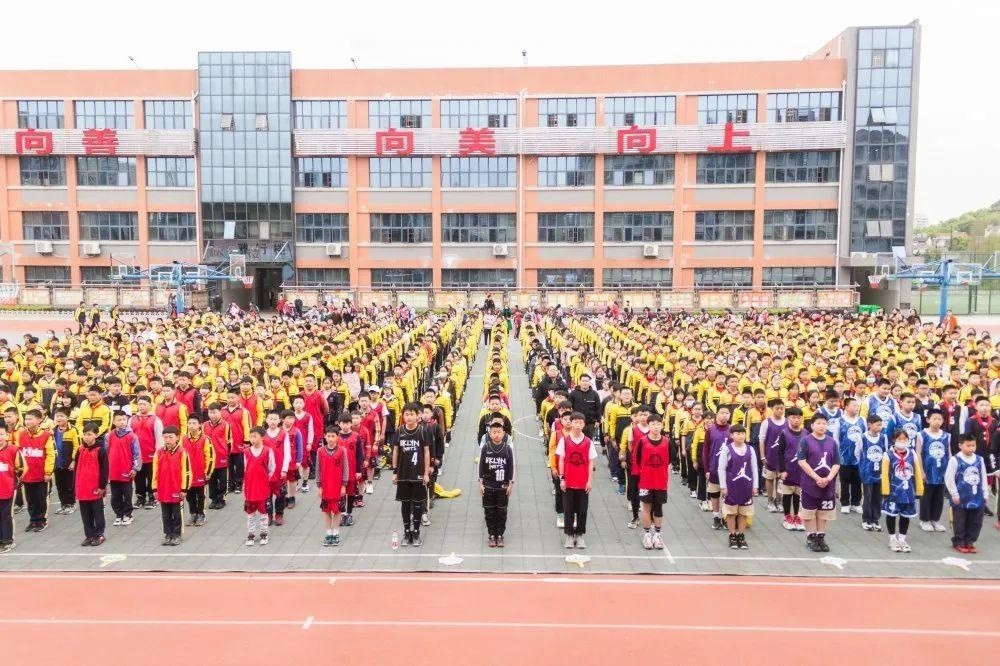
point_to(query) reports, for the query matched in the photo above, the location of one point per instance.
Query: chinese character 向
(727, 141)
(635, 140)
(33, 142)
(100, 142)
(476, 141)
(393, 142)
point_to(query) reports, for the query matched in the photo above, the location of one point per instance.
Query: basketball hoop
(247, 281)
(874, 281)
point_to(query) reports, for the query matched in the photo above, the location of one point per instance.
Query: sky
(958, 121)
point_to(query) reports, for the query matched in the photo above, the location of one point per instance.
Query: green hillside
(974, 223)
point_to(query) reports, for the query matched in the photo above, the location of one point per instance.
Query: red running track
(120, 618)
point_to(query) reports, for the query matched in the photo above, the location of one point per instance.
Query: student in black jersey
(496, 480)
(411, 461)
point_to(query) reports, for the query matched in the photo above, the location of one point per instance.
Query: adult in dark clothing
(588, 402)
(493, 414)
(552, 381)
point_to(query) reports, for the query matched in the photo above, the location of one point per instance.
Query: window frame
(488, 228)
(399, 228)
(726, 168)
(416, 175)
(158, 174)
(661, 168)
(93, 168)
(105, 230)
(638, 227)
(724, 226)
(36, 175)
(569, 227)
(383, 283)
(322, 228)
(160, 226)
(53, 225)
(555, 168)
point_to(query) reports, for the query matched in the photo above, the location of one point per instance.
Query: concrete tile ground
(533, 542)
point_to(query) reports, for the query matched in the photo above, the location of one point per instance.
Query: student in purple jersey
(738, 480)
(770, 429)
(789, 472)
(819, 460)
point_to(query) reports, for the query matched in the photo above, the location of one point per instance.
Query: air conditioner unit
(500, 250)
(43, 247)
(334, 249)
(90, 249)
(650, 250)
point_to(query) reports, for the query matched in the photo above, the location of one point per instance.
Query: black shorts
(657, 497)
(410, 491)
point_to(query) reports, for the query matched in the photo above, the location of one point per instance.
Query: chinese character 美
(476, 141)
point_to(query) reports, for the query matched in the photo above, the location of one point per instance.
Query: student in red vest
(351, 442)
(39, 456)
(299, 450)
(186, 394)
(575, 451)
(276, 439)
(239, 422)
(124, 462)
(251, 403)
(370, 433)
(307, 426)
(172, 412)
(91, 464)
(201, 456)
(171, 479)
(317, 407)
(332, 473)
(650, 463)
(258, 469)
(217, 430)
(149, 429)
(11, 468)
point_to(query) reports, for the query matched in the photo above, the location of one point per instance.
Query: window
(321, 228)
(626, 278)
(565, 277)
(260, 122)
(170, 172)
(478, 228)
(44, 274)
(321, 172)
(798, 276)
(109, 226)
(726, 168)
(462, 113)
(478, 278)
(104, 114)
(636, 227)
(882, 173)
(45, 225)
(721, 109)
(322, 277)
(319, 114)
(624, 111)
(168, 114)
(567, 112)
(723, 225)
(400, 227)
(399, 172)
(565, 227)
(478, 172)
(722, 277)
(39, 114)
(408, 113)
(96, 275)
(802, 166)
(177, 227)
(400, 278)
(105, 171)
(786, 225)
(566, 171)
(803, 107)
(226, 122)
(47, 171)
(638, 169)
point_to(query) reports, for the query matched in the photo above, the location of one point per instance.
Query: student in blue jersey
(832, 411)
(969, 488)
(906, 419)
(849, 429)
(902, 484)
(882, 404)
(934, 449)
(869, 452)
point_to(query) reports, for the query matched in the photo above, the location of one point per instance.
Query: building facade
(784, 173)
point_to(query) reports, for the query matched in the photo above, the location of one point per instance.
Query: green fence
(966, 300)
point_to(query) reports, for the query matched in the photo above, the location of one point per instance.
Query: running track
(118, 618)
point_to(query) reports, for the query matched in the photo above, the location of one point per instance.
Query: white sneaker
(694, 494)
(938, 527)
(894, 544)
(126, 521)
(560, 521)
(425, 520)
(580, 543)
(369, 487)
(772, 507)
(263, 539)
(647, 541)
(845, 509)
(705, 506)
(118, 522)
(867, 527)
(926, 526)
(903, 546)
(569, 543)
(657, 541)
(856, 509)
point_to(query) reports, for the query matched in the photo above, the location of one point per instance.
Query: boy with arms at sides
(258, 468)
(332, 473)
(934, 449)
(574, 453)
(651, 460)
(902, 484)
(738, 480)
(869, 451)
(411, 463)
(11, 469)
(171, 479)
(496, 480)
(819, 460)
(969, 489)
(91, 463)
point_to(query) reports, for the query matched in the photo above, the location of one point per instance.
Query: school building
(747, 174)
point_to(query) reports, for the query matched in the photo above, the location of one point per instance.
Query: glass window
(627, 111)
(802, 166)
(723, 225)
(722, 277)
(477, 113)
(566, 277)
(478, 172)
(45, 274)
(321, 172)
(104, 114)
(478, 278)
(400, 278)
(803, 107)
(401, 113)
(168, 114)
(786, 225)
(726, 168)
(178, 227)
(400, 227)
(319, 113)
(45, 225)
(109, 226)
(638, 227)
(478, 228)
(638, 169)
(105, 171)
(322, 277)
(321, 228)
(721, 109)
(40, 114)
(565, 227)
(399, 171)
(797, 276)
(45, 171)
(566, 171)
(567, 112)
(627, 278)
(170, 172)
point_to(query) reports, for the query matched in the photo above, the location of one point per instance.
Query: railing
(66, 297)
(255, 251)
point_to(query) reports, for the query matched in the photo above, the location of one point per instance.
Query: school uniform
(171, 479)
(39, 457)
(576, 457)
(11, 468)
(966, 477)
(149, 430)
(201, 457)
(849, 433)
(258, 467)
(91, 482)
(651, 460)
(869, 451)
(934, 455)
(333, 470)
(219, 435)
(738, 475)
(66, 443)
(124, 460)
(902, 483)
(496, 473)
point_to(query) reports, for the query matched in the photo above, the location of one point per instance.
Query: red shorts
(352, 485)
(276, 485)
(293, 474)
(255, 507)
(330, 506)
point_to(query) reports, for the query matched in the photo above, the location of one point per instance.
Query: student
(299, 451)
(258, 468)
(351, 442)
(934, 450)
(716, 437)
(902, 484)
(651, 460)
(738, 481)
(869, 452)
(171, 480)
(332, 474)
(11, 469)
(850, 428)
(66, 441)
(819, 460)
(789, 471)
(276, 439)
(149, 429)
(217, 431)
(91, 463)
(969, 489)
(574, 453)
(411, 469)
(560, 426)
(770, 430)
(907, 419)
(626, 456)
(496, 480)
(39, 457)
(306, 427)
(201, 459)
(436, 431)
(238, 419)
(371, 422)
(124, 462)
